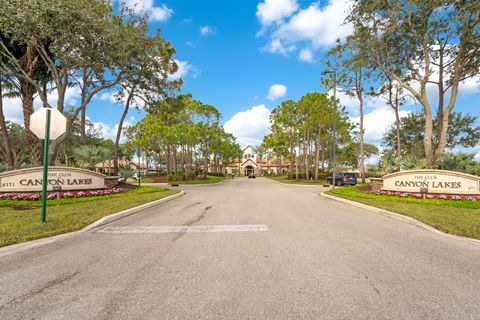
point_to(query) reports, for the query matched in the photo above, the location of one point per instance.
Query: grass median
(284, 179)
(210, 179)
(20, 220)
(459, 217)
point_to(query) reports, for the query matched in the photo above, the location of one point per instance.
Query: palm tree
(87, 156)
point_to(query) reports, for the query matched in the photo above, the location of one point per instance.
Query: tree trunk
(297, 161)
(175, 160)
(427, 139)
(362, 147)
(317, 153)
(324, 155)
(119, 133)
(167, 159)
(3, 127)
(397, 127)
(205, 166)
(83, 120)
(443, 130)
(292, 154)
(215, 162)
(307, 164)
(27, 91)
(359, 92)
(441, 94)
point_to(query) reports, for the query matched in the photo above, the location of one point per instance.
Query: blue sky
(232, 53)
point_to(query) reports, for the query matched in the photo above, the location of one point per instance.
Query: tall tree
(286, 119)
(353, 71)
(425, 46)
(80, 43)
(462, 132)
(6, 149)
(147, 78)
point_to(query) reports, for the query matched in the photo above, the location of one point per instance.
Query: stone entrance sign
(59, 179)
(432, 181)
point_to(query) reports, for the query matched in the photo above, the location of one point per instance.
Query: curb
(15, 248)
(399, 217)
(128, 212)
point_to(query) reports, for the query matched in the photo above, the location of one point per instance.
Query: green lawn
(210, 179)
(284, 179)
(459, 217)
(20, 220)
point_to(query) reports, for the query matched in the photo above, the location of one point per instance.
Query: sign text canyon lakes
(432, 181)
(59, 178)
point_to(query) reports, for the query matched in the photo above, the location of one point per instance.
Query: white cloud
(320, 26)
(271, 11)
(306, 55)
(184, 68)
(108, 96)
(12, 107)
(471, 85)
(161, 13)
(250, 126)
(206, 30)
(315, 26)
(110, 132)
(377, 122)
(276, 91)
(276, 46)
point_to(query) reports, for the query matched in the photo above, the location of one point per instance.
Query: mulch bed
(160, 179)
(126, 186)
(365, 189)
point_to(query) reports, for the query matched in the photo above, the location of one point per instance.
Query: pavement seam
(399, 217)
(15, 248)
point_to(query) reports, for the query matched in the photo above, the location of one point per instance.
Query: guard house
(252, 162)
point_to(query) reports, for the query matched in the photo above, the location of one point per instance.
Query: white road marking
(187, 229)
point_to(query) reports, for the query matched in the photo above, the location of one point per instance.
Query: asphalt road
(248, 249)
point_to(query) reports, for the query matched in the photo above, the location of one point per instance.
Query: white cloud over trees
(161, 13)
(291, 27)
(276, 91)
(250, 126)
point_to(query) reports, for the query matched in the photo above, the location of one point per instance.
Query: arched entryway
(249, 169)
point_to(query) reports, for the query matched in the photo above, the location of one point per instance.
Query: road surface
(246, 249)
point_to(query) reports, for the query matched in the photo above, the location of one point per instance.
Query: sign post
(41, 126)
(46, 143)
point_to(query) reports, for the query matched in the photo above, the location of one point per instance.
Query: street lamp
(334, 73)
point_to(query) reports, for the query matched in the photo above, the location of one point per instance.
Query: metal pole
(45, 166)
(334, 123)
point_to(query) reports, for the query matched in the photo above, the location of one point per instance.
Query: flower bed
(429, 195)
(61, 194)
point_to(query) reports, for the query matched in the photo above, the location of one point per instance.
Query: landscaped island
(20, 219)
(291, 180)
(449, 213)
(153, 178)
